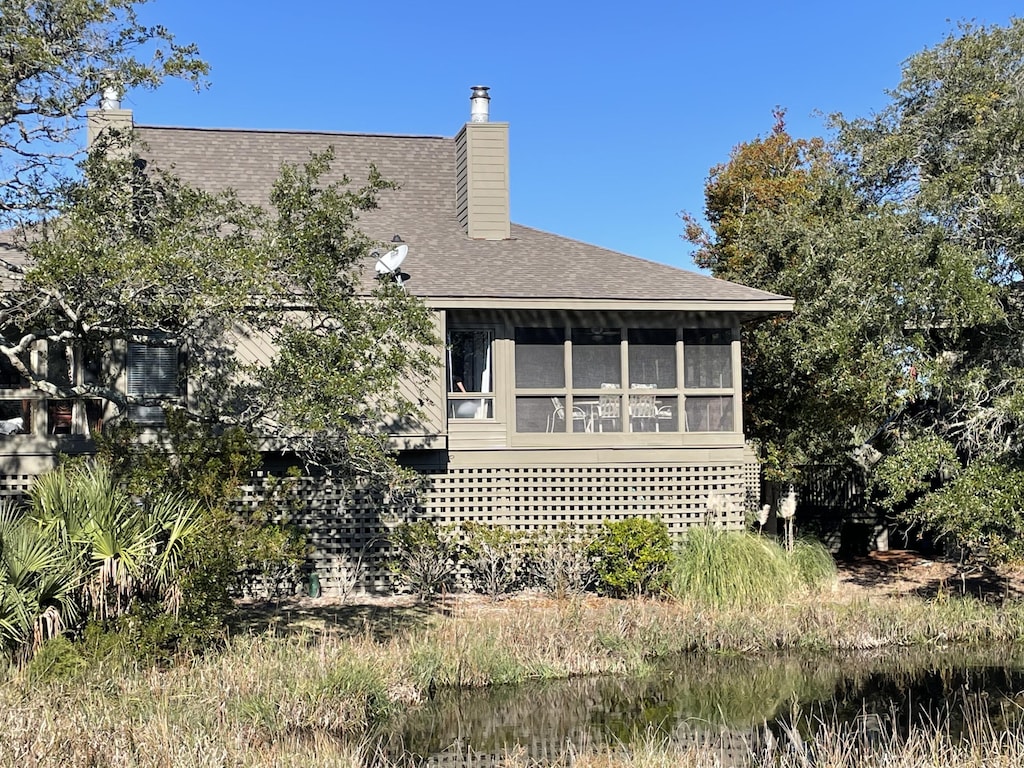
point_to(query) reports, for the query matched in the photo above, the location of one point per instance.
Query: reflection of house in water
(543, 722)
(575, 384)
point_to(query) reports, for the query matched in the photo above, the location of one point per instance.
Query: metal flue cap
(111, 98)
(479, 110)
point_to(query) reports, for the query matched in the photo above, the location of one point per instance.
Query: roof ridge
(291, 132)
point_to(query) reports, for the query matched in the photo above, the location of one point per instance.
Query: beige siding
(470, 434)
(250, 347)
(430, 395)
(482, 180)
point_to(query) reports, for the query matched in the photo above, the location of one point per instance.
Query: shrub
(558, 561)
(57, 660)
(494, 558)
(272, 556)
(631, 557)
(426, 557)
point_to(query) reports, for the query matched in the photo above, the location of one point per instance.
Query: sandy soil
(878, 575)
(904, 572)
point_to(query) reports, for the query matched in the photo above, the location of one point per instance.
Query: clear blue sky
(616, 110)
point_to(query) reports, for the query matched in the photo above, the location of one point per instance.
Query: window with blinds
(152, 373)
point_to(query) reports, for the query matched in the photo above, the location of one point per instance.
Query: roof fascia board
(768, 306)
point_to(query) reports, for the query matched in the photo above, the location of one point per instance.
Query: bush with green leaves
(426, 557)
(273, 555)
(977, 509)
(84, 549)
(631, 557)
(494, 557)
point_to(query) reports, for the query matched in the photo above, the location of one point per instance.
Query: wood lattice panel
(16, 487)
(348, 532)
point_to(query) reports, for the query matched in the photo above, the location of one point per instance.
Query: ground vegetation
(899, 240)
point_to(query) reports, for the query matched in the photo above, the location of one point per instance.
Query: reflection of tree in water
(707, 699)
(720, 704)
(953, 695)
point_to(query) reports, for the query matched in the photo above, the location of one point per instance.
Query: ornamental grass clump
(729, 568)
(812, 563)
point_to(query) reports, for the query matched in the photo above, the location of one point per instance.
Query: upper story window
(470, 373)
(590, 379)
(153, 373)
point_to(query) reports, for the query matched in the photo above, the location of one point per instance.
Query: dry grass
(309, 687)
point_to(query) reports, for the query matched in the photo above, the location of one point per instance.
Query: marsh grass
(278, 697)
(813, 564)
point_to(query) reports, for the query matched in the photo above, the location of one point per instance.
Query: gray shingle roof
(11, 253)
(443, 262)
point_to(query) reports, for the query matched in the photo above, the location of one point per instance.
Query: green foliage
(57, 660)
(250, 552)
(727, 568)
(206, 464)
(901, 244)
(980, 511)
(631, 556)
(40, 579)
(787, 218)
(813, 563)
(84, 549)
(426, 557)
(272, 555)
(154, 261)
(740, 569)
(495, 557)
(58, 57)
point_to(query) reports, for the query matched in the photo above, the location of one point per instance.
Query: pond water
(728, 704)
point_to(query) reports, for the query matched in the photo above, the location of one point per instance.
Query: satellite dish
(390, 262)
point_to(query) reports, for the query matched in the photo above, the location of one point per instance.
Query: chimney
(109, 118)
(481, 169)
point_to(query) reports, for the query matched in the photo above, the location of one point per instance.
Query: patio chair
(646, 409)
(608, 408)
(558, 414)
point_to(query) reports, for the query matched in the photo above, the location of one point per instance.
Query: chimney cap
(111, 98)
(479, 111)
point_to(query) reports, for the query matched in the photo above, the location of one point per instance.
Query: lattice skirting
(348, 532)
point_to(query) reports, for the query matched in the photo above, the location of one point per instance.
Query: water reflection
(730, 705)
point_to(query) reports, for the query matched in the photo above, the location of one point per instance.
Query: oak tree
(56, 58)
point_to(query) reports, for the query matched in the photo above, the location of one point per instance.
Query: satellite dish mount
(391, 262)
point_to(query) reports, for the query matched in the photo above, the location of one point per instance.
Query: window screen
(540, 358)
(707, 353)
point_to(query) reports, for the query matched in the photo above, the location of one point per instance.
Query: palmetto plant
(126, 547)
(84, 548)
(38, 581)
